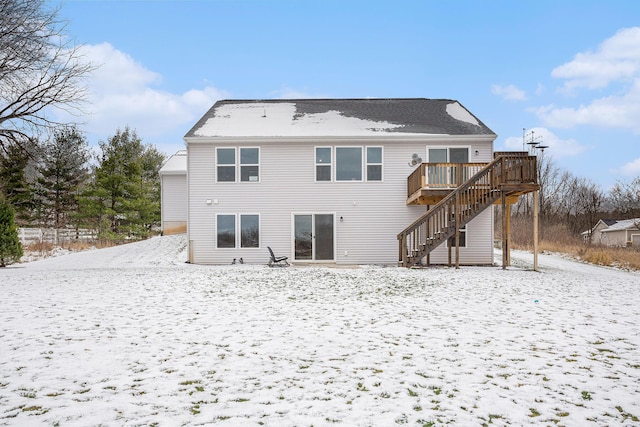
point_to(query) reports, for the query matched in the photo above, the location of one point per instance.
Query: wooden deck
(432, 182)
(457, 193)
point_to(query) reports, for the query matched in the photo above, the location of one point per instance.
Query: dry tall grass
(556, 238)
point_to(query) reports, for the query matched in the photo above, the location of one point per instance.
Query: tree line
(576, 203)
(61, 184)
(49, 177)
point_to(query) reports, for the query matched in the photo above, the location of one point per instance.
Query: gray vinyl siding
(373, 212)
(174, 201)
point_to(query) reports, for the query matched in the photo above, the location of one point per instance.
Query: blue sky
(569, 70)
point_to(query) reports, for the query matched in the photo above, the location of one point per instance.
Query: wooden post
(508, 216)
(456, 216)
(505, 236)
(535, 229)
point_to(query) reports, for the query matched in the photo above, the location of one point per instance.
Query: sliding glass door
(313, 237)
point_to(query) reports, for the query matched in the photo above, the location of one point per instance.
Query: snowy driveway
(134, 336)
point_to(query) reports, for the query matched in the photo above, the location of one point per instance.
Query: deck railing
(463, 204)
(441, 175)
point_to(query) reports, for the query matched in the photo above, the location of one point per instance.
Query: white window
(451, 243)
(348, 163)
(250, 164)
(226, 231)
(245, 235)
(323, 163)
(226, 164)
(249, 231)
(374, 163)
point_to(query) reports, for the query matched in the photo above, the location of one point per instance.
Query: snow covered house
(616, 233)
(345, 181)
(173, 195)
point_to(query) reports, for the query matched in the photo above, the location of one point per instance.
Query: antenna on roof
(264, 114)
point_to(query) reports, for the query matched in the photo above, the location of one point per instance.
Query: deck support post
(508, 217)
(457, 216)
(536, 208)
(505, 235)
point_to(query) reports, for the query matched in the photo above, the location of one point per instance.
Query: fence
(56, 236)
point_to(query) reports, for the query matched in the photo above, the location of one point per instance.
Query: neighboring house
(326, 180)
(616, 233)
(173, 198)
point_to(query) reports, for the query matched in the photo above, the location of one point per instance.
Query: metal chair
(277, 261)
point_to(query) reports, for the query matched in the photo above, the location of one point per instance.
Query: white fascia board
(341, 139)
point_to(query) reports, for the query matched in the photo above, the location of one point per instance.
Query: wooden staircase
(509, 174)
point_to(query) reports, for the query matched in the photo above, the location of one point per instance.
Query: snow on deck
(134, 336)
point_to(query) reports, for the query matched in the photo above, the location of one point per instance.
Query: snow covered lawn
(134, 336)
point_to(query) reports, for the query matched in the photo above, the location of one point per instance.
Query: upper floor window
(323, 163)
(348, 163)
(374, 163)
(226, 164)
(249, 164)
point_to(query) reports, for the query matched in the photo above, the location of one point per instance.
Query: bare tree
(40, 70)
(625, 197)
(589, 199)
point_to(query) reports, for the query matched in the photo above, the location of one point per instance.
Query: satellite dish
(415, 159)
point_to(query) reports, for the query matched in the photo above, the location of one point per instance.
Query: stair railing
(462, 205)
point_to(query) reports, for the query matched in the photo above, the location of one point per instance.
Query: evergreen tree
(123, 200)
(15, 187)
(63, 170)
(10, 247)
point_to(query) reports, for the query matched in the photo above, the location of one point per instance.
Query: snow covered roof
(337, 117)
(175, 165)
(625, 224)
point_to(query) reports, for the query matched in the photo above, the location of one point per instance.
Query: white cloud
(124, 93)
(557, 147)
(509, 92)
(631, 169)
(615, 64)
(618, 111)
(617, 58)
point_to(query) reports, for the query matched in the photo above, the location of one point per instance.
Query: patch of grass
(494, 417)
(533, 412)
(412, 393)
(586, 395)
(361, 387)
(627, 415)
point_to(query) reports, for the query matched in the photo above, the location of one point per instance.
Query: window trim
(453, 238)
(234, 165)
(329, 165)
(240, 164)
(367, 163)
(237, 230)
(448, 147)
(240, 215)
(362, 172)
